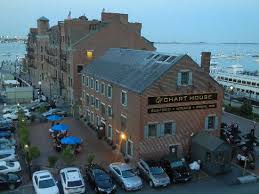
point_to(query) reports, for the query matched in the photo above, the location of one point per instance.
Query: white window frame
(152, 123)
(124, 116)
(97, 120)
(87, 81)
(109, 86)
(215, 117)
(92, 103)
(87, 95)
(102, 84)
(132, 149)
(189, 77)
(110, 127)
(92, 117)
(170, 121)
(97, 87)
(126, 98)
(92, 83)
(109, 107)
(97, 100)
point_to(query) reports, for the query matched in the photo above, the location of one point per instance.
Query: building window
(211, 122)
(92, 117)
(170, 128)
(123, 123)
(92, 100)
(87, 81)
(109, 91)
(97, 86)
(109, 134)
(92, 83)
(109, 111)
(83, 80)
(97, 120)
(184, 78)
(124, 98)
(130, 148)
(102, 88)
(97, 103)
(79, 68)
(87, 100)
(103, 109)
(152, 130)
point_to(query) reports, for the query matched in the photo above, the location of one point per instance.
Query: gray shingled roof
(130, 69)
(207, 141)
(43, 18)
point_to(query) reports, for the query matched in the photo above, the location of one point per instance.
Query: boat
(235, 79)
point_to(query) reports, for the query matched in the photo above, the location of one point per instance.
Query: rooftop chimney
(205, 61)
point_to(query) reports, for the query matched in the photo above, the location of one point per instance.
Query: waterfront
(230, 53)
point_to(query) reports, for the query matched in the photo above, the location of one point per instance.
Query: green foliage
(42, 109)
(52, 160)
(33, 153)
(90, 158)
(246, 108)
(68, 155)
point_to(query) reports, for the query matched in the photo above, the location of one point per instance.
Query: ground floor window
(129, 148)
(211, 122)
(109, 134)
(169, 128)
(152, 130)
(92, 118)
(97, 120)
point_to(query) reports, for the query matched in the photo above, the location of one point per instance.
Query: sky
(162, 20)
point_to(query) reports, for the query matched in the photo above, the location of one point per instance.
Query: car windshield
(10, 164)
(128, 173)
(102, 177)
(77, 183)
(156, 170)
(177, 164)
(46, 183)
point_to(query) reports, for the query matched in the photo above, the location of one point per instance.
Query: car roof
(43, 174)
(72, 173)
(121, 166)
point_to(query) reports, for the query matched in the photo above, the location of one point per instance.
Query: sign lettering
(181, 98)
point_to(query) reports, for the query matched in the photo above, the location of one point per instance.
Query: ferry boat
(236, 81)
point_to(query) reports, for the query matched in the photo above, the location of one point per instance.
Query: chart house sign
(179, 99)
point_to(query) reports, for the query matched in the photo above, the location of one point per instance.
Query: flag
(69, 15)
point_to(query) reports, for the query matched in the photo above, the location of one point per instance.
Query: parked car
(8, 157)
(8, 166)
(10, 141)
(7, 126)
(126, 176)
(6, 146)
(10, 181)
(72, 180)
(3, 120)
(5, 134)
(55, 111)
(14, 115)
(177, 169)
(12, 108)
(99, 179)
(38, 105)
(44, 183)
(153, 173)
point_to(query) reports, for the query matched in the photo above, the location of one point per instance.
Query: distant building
(151, 103)
(56, 55)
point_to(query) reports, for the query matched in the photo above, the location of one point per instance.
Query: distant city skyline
(166, 20)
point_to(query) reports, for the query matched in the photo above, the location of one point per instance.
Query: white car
(126, 177)
(8, 157)
(7, 167)
(44, 183)
(72, 180)
(12, 108)
(14, 115)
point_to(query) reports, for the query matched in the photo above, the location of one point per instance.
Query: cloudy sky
(163, 20)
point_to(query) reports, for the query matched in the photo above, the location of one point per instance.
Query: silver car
(153, 173)
(125, 176)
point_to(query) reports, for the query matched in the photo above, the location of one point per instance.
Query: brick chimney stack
(205, 61)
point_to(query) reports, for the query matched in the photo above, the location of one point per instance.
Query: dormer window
(184, 78)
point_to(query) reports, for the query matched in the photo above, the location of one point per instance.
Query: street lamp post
(40, 89)
(26, 148)
(230, 95)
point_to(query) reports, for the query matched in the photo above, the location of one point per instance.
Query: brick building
(150, 102)
(56, 55)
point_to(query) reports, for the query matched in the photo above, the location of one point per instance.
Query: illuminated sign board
(181, 98)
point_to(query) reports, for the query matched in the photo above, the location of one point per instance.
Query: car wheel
(12, 187)
(151, 184)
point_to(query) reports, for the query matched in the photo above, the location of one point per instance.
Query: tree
(33, 153)
(68, 155)
(52, 161)
(246, 108)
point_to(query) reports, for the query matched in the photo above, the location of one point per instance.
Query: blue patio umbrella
(60, 127)
(71, 140)
(54, 118)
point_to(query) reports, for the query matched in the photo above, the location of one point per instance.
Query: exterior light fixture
(123, 136)
(89, 54)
